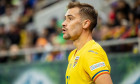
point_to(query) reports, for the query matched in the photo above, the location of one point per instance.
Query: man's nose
(64, 24)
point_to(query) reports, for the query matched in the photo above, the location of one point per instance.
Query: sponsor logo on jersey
(92, 51)
(76, 61)
(97, 65)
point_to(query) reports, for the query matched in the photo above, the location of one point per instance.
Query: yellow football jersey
(87, 64)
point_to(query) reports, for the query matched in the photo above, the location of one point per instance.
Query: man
(88, 63)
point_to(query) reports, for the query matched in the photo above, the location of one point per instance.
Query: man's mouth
(63, 30)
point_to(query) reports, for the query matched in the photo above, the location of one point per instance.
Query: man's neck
(82, 40)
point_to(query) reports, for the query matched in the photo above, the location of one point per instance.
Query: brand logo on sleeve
(97, 65)
(76, 61)
(92, 51)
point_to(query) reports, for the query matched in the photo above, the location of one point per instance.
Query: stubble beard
(67, 37)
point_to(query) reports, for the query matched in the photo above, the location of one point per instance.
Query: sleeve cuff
(99, 73)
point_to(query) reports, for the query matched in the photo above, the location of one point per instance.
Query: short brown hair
(87, 11)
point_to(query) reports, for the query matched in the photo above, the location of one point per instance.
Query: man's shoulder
(93, 45)
(91, 53)
(94, 50)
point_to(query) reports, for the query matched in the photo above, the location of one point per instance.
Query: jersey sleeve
(94, 64)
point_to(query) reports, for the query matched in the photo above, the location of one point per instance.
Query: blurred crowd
(17, 15)
(123, 22)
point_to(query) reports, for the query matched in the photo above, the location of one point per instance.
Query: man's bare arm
(104, 79)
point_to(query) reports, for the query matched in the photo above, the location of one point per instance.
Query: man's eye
(70, 18)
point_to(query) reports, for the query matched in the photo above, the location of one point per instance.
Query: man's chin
(66, 38)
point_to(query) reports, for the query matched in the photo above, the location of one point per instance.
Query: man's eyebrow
(69, 15)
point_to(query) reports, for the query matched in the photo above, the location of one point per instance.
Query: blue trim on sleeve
(98, 73)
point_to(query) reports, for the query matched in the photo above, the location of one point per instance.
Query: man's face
(72, 26)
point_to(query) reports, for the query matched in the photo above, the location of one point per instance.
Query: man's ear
(86, 23)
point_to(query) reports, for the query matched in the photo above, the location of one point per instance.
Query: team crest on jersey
(97, 65)
(76, 61)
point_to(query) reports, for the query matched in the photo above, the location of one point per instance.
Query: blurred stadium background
(32, 50)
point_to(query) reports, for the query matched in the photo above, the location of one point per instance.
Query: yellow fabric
(24, 38)
(81, 67)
